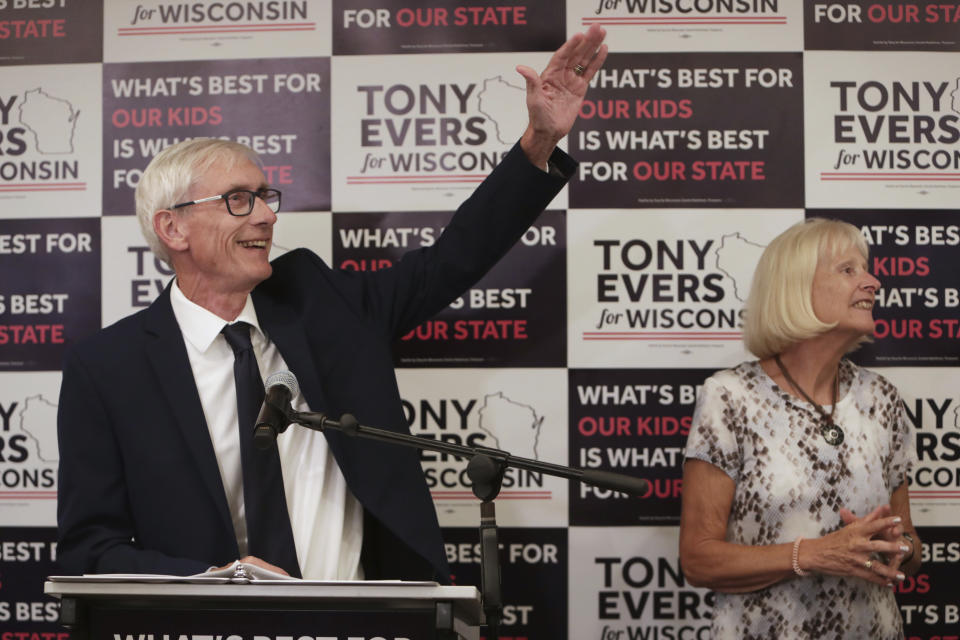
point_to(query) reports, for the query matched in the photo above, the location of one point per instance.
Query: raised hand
(554, 96)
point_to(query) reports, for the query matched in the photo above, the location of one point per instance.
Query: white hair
(172, 172)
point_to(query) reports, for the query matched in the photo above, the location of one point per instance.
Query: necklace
(832, 433)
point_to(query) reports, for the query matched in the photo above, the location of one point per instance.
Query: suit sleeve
(96, 533)
(483, 229)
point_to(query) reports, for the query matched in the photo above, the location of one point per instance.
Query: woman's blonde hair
(169, 176)
(780, 305)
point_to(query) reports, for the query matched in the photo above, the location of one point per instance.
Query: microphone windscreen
(285, 378)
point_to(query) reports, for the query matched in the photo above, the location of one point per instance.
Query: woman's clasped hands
(867, 548)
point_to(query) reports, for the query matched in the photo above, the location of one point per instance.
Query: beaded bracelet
(796, 559)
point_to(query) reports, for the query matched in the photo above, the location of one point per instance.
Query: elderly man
(157, 471)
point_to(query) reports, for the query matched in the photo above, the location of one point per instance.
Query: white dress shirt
(326, 518)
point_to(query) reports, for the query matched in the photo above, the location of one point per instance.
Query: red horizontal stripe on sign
(935, 494)
(156, 32)
(888, 175)
(224, 27)
(661, 335)
(504, 495)
(50, 187)
(29, 495)
(675, 21)
(415, 180)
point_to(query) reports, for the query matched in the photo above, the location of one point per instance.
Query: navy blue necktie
(269, 535)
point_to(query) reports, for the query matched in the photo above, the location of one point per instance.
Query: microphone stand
(486, 468)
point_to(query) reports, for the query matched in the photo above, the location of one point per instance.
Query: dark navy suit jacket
(139, 488)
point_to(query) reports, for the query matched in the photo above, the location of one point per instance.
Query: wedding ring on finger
(579, 69)
(868, 565)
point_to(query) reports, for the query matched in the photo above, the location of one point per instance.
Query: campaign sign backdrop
(916, 312)
(932, 406)
(511, 317)
(927, 600)
(713, 126)
(49, 289)
(533, 576)
(26, 552)
(867, 25)
(642, 25)
(422, 136)
(50, 31)
(883, 139)
(145, 31)
(29, 454)
(149, 106)
(629, 585)
(663, 291)
(691, 130)
(634, 422)
(521, 412)
(133, 277)
(49, 141)
(446, 26)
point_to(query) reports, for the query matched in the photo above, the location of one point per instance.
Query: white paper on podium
(236, 573)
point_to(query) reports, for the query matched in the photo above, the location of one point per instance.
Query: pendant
(831, 433)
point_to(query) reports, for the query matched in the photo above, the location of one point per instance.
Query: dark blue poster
(634, 422)
(49, 289)
(447, 26)
(691, 130)
(278, 107)
(50, 31)
(514, 317)
(27, 556)
(533, 572)
(867, 25)
(913, 254)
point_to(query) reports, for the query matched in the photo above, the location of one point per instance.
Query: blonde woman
(795, 504)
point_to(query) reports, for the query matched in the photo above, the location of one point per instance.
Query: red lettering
(728, 170)
(31, 334)
(660, 170)
(140, 117)
(429, 330)
(663, 488)
(279, 174)
(951, 13)
(422, 17)
(490, 330)
(941, 326)
(604, 426)
(483, 16)
(604, 109)
(363, 264)
(23, 29)
(899, 329)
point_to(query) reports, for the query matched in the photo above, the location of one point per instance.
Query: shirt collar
(199, 326)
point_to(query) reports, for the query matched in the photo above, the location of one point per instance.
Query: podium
(132, 608)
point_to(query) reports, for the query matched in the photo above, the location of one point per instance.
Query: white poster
(421, 133)
(28, 464)
(520, 411)
(133, 277)
(658, 288)
(50, 138)
(882, 129)
(145, 31)
(689, 25)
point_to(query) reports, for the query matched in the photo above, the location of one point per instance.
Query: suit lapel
(167, 354)
(285, 328)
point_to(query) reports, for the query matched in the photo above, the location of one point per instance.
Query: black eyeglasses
(240, 201)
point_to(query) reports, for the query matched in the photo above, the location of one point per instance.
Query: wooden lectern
(166, 608)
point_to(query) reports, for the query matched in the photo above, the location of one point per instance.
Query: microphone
(274, 418)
